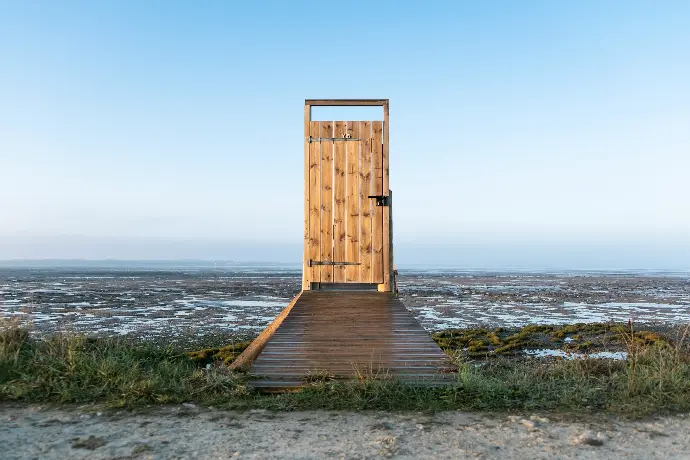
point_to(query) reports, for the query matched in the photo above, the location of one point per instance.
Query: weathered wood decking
(345, 335)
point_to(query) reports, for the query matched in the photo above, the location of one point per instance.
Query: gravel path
(191, 432)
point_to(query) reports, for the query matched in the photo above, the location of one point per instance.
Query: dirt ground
(191, 432)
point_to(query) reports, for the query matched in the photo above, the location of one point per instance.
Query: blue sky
(532, 133)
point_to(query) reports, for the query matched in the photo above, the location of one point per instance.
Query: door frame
(388, 282)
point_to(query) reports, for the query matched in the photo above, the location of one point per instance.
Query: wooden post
(305, 268)
(389, 281)
(391, 265)
(387, 234)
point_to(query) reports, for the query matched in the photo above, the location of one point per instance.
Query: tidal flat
(239, 302)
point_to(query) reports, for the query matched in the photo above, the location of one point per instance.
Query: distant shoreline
(118, 264)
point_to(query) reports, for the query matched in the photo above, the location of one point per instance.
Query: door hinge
(381, 200)
(329, 262)
(319, 139)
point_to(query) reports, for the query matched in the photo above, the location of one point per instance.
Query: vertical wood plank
(393, 287)
(339, 230)
(388, 275)
(386, 137)
(352, 203)
(377, 211)
(306, 272)
(315, 202)
(365, 203)
(326, 201)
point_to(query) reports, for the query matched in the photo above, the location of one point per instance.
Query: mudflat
(240, 302)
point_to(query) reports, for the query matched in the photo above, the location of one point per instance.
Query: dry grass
(70, 368)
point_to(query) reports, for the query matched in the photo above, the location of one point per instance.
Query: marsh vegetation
(121, 372)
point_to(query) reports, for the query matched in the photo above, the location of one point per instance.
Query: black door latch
(381, 200)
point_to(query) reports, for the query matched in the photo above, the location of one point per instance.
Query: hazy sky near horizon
(513, 124)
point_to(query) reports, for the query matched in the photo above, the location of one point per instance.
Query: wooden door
(344, 222)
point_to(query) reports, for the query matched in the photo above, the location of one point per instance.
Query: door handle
(381, 200)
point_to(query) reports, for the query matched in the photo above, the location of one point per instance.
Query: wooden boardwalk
(345, 335)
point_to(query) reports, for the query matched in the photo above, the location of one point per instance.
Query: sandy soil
(191, 432)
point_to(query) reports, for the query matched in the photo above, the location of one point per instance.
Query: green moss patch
(581, 337)
(226, 354)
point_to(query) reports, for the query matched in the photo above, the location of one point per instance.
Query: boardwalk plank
(345, 334)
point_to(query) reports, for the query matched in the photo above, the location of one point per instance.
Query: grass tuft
(117, 372)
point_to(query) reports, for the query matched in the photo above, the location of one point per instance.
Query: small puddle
(546, 353)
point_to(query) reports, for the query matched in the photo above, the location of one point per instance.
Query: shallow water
(152, 303)
(545, 353)
(443, 301)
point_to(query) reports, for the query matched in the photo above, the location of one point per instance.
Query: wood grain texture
(345, 232)
(352, 203)
(365, 203)
(306, 271)
(247, 357)
(314, 201)
(377, 211)
(346, 102)
(388, 281)
(339, 197)
(392, 284)
(326, 201)
(347, 335)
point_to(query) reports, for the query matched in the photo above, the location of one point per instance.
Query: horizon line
(7, 263)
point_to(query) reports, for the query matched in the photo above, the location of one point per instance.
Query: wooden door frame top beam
(346, 102)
